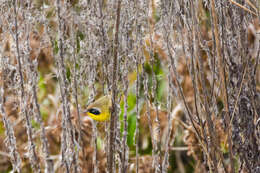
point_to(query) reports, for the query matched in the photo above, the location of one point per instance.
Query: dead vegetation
(184, 77)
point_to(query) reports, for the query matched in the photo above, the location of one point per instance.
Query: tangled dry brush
(184, 78)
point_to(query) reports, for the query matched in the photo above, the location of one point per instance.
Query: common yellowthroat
(100, 109)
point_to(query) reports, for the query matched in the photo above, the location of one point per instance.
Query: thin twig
(125, 133)
(111, 160)
(179, 148)
(251, 5)
(34, 159)
(137, 116)
(236, 103)
(241, 6)
(45, 145)
(79, 121)
(68, 135)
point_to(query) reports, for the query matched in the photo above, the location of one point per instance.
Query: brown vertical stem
(33, 155)
(114, 94)
(137, 116)
(219, 55)
(68, 135)
(221, 66)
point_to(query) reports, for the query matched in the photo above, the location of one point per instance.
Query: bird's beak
(86, 116)
(85, 112)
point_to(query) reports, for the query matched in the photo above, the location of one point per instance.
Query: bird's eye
(94, 111)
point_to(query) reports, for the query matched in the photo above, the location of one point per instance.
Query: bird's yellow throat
(100, 109)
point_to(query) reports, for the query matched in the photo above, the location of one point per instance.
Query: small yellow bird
(100, 109)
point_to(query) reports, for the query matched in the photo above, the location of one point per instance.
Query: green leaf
(80, 36)
(131, 130)
(35, 125)
(41, 87)
(2, 130)
(68, 74)
(50, 13)
(56, 47)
